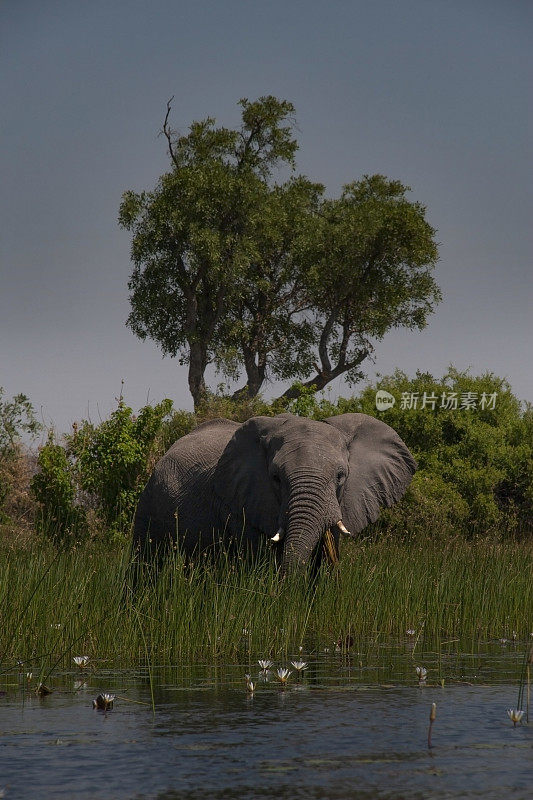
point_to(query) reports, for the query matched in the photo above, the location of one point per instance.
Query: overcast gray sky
(435, 93)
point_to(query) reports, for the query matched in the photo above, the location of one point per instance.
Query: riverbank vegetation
(453, 558)
(56, 605)
(471, 437)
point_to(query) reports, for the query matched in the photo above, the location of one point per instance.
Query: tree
(17, 419)
(192, 235)
(366, 266)
(233, 269)
(334, 275)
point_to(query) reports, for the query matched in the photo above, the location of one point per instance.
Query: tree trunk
(255, 374)
(322, 378)
(197, 365)
(318, 382)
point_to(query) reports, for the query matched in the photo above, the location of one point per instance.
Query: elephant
(291, 481)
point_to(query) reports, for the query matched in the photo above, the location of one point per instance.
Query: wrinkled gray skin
(227, 483)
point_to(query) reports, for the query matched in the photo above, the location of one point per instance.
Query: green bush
(17, 418)
(111, 459)
(99, 468)
(177, 425)
(475, 472)
(54, 488)
(239, 409)
(475, 464)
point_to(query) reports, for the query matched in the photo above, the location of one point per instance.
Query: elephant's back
(182, 478)
(202, 447)
(179, 494)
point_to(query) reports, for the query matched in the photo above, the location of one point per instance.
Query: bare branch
(168, 133)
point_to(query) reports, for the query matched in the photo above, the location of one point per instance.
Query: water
(353, 726)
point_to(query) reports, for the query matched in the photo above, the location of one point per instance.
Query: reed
(54, 606)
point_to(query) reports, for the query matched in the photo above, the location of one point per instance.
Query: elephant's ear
(380, 468)
(242, 480)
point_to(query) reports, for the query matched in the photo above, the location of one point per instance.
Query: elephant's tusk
(330, 548)
(341, 527)
(279, 536)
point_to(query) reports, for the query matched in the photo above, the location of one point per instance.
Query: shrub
(54, 488)
(475, 471)
(177, 425)
(475, 464)
(239, 409)
(98, 467)
(17, 418)
(112, 459)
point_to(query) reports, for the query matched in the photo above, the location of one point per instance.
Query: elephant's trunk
(312, 508)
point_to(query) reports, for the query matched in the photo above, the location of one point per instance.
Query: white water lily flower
(283, 674)
(422, 674)
(299, 665)
(81, 661)
(515, 715)
(410, 631)
(265, 663)
(104, 701)
(249, 684)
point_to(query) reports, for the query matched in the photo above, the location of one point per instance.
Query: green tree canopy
(193, 235)
(366, 265)
(234, 269)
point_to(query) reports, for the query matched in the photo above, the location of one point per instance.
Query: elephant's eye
(341, 477)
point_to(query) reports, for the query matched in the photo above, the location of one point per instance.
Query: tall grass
(56, 605)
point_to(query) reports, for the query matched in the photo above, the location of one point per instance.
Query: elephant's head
(293, 478)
